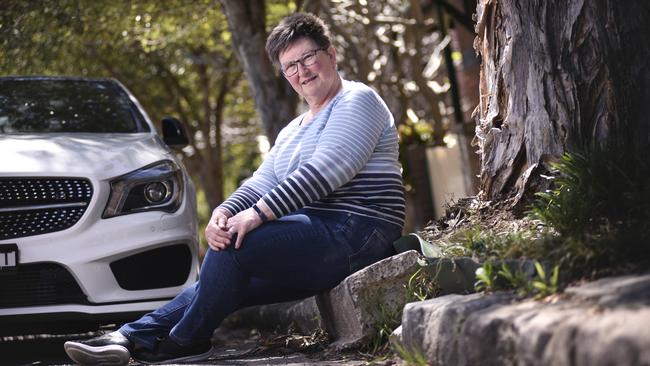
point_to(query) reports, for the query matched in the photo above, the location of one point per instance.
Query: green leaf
(540, 270)
(555, 275)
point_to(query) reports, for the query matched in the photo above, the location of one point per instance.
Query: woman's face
(316, 83)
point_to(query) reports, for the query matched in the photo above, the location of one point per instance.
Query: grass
(420, 287)
(388, 316)
(411, 356)
(511, 276)
(485, 244)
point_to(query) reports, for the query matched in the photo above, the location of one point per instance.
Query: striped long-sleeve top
(344, 159)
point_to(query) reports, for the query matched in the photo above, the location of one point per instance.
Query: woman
(327, 201)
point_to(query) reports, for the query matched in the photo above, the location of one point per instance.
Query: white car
(98, 218)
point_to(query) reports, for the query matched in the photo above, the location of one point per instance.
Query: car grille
(36, 284)
(33, 206)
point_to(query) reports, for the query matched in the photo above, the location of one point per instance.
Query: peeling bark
(556, 75)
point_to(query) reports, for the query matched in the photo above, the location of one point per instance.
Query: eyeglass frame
(301, 61)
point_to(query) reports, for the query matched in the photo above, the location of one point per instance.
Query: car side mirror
(173, 133)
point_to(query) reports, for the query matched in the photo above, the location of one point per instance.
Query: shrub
(600, 207)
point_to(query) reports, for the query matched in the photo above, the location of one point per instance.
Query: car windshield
(66, 105)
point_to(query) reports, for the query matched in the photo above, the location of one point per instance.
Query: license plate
(8, 256)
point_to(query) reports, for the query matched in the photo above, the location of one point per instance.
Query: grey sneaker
(112, 349)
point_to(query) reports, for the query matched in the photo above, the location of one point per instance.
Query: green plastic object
(413, 241)
(453, 275)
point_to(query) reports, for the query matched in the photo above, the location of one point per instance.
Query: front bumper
(71, 318)
(108, 260)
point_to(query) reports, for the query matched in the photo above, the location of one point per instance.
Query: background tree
(556, 75)
(275, 100)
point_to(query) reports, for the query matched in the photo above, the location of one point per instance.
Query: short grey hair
(293, 28)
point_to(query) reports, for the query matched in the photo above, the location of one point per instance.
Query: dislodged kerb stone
(353, 309)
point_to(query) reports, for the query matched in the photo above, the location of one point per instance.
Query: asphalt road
(48, 350)
(35, 350)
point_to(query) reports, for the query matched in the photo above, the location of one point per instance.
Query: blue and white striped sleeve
(346, 143)
(262, 181)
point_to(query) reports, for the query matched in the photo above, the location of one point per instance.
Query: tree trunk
(275, 100)
(555, 75)
(212, 156)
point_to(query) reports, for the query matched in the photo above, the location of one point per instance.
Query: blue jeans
(297, 256)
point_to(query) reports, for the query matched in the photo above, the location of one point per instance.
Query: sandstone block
(600, 323)
(533, 333)
(431, 328)
(612, 291)
(353, 310)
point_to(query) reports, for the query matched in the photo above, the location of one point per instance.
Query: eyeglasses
(308, 59)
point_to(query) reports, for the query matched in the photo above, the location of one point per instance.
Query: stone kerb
(431, 328)
(613, 291)
(600, 323)
(353, 310)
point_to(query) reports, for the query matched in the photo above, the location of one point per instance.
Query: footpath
(604, 322)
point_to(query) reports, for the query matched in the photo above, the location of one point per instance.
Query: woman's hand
(216, 232)
(242, 223)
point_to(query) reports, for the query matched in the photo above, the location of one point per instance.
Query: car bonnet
(101, 156)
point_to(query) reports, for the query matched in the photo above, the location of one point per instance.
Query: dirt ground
(232, 347)
(250, 346)
(468, 213)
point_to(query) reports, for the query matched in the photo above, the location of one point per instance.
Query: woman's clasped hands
(221, 228)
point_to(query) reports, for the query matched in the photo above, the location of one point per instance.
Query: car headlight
(157, 187)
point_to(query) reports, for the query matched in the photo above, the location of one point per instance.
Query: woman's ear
(331, 52)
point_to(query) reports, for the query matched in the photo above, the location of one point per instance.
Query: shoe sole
(186, 359)
(110, 355)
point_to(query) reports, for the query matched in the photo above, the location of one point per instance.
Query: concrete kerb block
(430, 328)
(632, 290)
(353, 310)
(598, 323)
